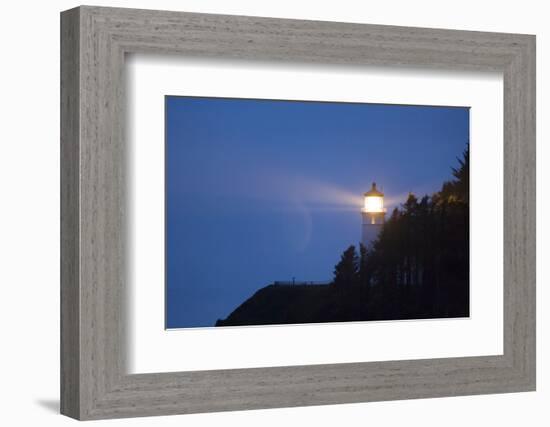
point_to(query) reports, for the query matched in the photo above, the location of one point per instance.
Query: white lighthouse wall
(370, 233)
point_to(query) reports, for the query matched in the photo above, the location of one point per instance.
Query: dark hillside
(281, 304)
(287, 304)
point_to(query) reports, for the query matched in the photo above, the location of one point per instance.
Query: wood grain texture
(70, 333)
(94, 381)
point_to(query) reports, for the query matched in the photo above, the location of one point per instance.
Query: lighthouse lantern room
(373, 214)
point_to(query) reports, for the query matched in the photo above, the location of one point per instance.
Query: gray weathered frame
(94, 41)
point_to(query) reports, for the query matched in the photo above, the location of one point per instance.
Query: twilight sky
(259, 191)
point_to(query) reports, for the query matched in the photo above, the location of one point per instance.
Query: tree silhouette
(419, 265)
(345, 272)
(363, 270)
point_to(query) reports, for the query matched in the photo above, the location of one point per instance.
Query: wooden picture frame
(94, 382)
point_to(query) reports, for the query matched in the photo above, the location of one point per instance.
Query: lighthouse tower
(373, 213)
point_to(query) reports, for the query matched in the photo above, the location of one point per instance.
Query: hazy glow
(374, 204)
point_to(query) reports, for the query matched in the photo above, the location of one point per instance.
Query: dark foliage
(419, 266)
(347, 270)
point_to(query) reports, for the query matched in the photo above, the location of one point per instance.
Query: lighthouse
(373, 214)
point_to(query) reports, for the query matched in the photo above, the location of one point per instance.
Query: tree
(345, 272)
(458, 190)
(462, 175)
(363, 272)
(419, 265)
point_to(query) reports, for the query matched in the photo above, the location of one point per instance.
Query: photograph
(285, 212)
(264, 214)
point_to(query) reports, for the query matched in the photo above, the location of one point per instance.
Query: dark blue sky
(258, 191)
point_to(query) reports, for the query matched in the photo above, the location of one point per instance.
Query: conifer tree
(345, 272)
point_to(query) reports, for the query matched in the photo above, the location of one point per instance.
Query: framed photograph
(258, 191)
(261, 213)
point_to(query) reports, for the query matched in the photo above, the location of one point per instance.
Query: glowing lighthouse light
(374, 203)
(373, 213)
